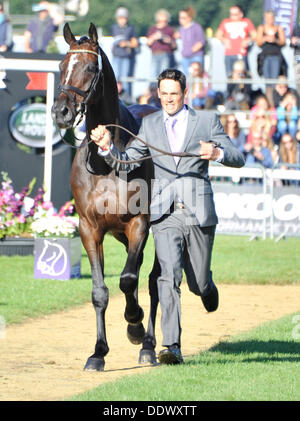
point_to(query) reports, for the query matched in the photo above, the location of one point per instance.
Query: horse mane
(107, 109)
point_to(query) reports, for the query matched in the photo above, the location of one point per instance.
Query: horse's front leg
(137, 234)
(99, 295)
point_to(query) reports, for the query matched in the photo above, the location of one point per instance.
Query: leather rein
(87, 95)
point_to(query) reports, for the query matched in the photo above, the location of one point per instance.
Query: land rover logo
(27, 125)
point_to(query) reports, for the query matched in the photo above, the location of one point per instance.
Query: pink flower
(47, 205)
(21, 219)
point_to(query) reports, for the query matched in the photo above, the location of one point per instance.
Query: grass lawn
(235, 260)
(260, 365)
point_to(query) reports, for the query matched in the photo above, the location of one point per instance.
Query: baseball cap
(122, 12)
(38, 7)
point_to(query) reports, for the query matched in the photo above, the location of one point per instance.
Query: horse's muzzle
(62, 114)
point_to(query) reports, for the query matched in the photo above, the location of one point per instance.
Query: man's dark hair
(238, 6)
(173, 74)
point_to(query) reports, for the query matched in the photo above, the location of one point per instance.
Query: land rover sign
(27, 125)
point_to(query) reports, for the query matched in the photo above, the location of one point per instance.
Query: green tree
(101, 13)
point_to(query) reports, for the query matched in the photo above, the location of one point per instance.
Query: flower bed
(22, 216)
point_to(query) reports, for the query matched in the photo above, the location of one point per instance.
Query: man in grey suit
(182, 211)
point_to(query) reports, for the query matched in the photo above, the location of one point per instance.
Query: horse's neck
(105, 109)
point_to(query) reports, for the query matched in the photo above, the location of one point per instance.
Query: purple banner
(285, 13)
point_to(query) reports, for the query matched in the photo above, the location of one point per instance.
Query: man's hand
(208, 151)
(101, 136)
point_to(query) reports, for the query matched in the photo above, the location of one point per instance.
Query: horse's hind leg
(147, 353)
(137, 234)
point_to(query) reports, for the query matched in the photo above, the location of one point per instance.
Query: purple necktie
(170, 126)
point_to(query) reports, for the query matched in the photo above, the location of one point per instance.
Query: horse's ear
(68, 36)
(93, 34)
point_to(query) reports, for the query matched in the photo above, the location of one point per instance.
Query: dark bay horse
(88, 85)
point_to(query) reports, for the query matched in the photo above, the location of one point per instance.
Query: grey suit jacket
(188, 180)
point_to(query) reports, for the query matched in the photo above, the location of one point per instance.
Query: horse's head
(80, 72)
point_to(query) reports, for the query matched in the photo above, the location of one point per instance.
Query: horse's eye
(91, 68)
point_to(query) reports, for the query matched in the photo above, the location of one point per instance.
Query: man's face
(171, 96)
(281, 89)
(235, 14)
(122, 20)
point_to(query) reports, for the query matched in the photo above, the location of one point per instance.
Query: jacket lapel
(191, 124)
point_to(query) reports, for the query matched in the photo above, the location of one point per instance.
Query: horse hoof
(136, 333)
(94, 364)
(147, 356)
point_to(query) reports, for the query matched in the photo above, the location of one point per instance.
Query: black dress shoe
(171, 355)
(211, 300)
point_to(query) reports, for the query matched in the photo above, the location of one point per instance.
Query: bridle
(67, 89)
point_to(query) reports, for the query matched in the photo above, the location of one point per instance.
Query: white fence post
(48, 137)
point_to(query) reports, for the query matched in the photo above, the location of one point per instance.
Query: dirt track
(43, 359)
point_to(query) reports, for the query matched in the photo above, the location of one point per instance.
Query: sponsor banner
(285, 13)
(245, 209)
(27, 124)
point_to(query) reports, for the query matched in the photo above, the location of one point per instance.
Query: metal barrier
(264, 208)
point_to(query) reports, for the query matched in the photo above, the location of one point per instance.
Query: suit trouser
(180, 243)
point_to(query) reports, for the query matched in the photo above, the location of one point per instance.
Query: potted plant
(16, 215)
(57, 246)
(33, 226)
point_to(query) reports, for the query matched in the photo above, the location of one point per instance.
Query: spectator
(288, 153)
(236, 134)
(40, 30)
(274, 149)
(295, 43)
(237, 34)
(161, 40)
(271, 39)
(193, 39)
(123, 95)
(263, 118)
(257, 153)
(287, 115)
(124, 45)
(153, 98)
(202, 95)
(297, 137)
(238, 95)
(142, 99)
(55, 12)
(280, 89)
(6, 41)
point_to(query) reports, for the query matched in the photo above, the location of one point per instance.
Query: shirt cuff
(103, 152)
(221, 157)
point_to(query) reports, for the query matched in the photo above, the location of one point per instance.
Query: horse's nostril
(65, 111)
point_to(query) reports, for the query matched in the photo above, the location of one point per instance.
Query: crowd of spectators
(272, 134)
